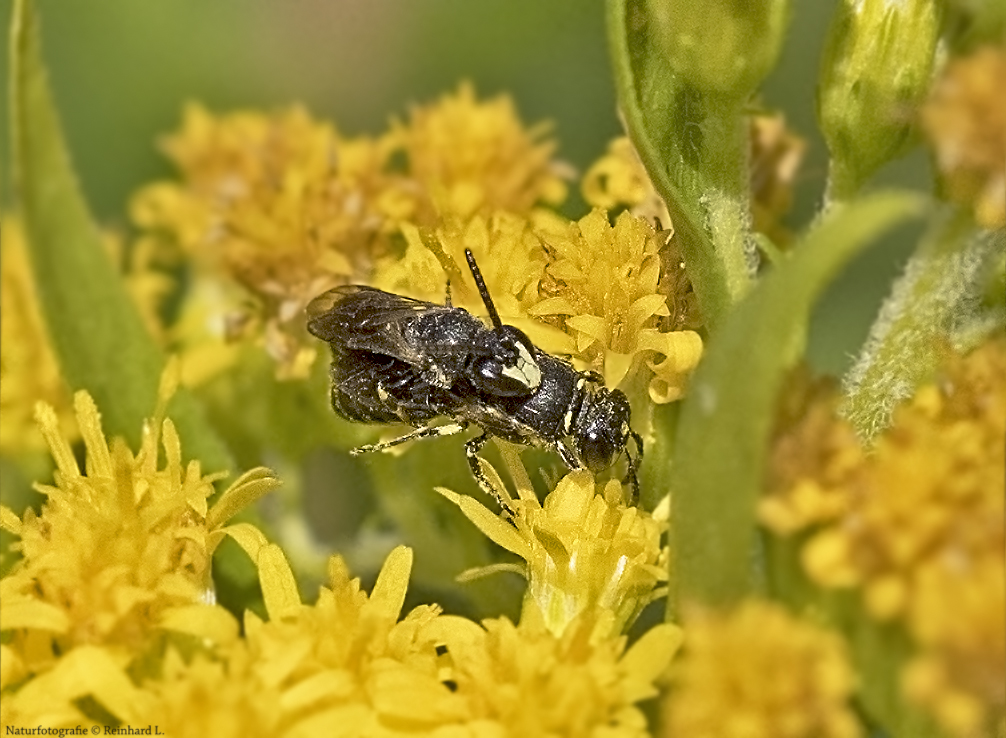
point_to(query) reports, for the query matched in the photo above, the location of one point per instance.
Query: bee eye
(596, 451)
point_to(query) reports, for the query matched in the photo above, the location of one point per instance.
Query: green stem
(844, 181)
(720, 448)
(913, 332)
(693, 145)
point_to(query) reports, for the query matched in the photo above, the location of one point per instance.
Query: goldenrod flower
(28, 369)
(287, 208)
(469, 157)
(526, 680)
(814, 460)
(965, 121)
(505, 246)
(619, 179)
(605, 282)
(586, 554)
(918, 526)
(223, 696)
(957, 614)
(118, 557)
(345, 664)
(758, 672)
(280, 204)
(349, 664)
(776, 154)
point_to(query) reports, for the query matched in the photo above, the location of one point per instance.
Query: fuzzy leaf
(938, 293)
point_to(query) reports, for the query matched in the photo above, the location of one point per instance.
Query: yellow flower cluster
(466, 157)
(965, 121)
(108, 618)
(352, 665)
(619, 179)
(588, 557)
(918, 526)
(605, 282)
(117, 560)
(758, 672)
(524, 680)
(287, 208)
(28, 369)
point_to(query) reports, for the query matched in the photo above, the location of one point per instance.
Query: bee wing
(368, 319)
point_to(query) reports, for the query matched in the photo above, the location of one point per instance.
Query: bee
(396, 359)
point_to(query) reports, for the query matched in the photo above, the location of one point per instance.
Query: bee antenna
(483, 291)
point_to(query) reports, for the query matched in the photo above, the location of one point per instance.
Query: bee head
(509, 368)
(602, 430)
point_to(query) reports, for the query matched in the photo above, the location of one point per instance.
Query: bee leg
(633, 464)
(568, 456)
(430, 431)
(472, 449)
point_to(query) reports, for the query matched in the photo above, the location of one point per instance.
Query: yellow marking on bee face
(526, 371)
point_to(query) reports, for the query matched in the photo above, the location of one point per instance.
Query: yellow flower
(525, 680)
(776, 154)
(587, 556)
(281, 205)
(28, 369)
(759, 673)
(814, 460)
(287, 208)
(346, 665)
(510, 257)
(118, 557)
(469, 157)
(957, 617)
(965, 121)
(223, 697)
(350, 665)
(918, 526)
(619, 179)
(606, 283)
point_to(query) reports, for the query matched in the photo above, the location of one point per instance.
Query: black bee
(395, 359)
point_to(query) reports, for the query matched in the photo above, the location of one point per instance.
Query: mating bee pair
(395, 359)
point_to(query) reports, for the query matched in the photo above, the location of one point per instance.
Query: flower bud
(720, 47)
(876, 69)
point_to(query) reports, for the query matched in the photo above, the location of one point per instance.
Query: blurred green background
(121, 72)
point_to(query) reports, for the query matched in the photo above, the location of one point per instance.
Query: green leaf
(685, 116)
(96, 331)
(725, 421)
